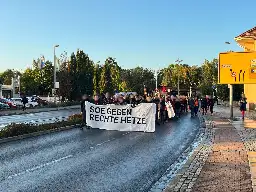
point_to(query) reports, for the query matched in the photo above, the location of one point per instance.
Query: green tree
(137, 78)
(30, 82)
(64, 78)
(46, 78)
(85, 72)
(96, 78)
(210, 76)
(73, 77)
(222, 92)
(8, 75)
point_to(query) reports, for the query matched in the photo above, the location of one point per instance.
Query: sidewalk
(36, 110)
(227, 167)
(225, 160)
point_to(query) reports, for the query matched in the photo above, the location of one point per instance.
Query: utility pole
(156, 74)
(54, 75)
(230, 86)
(178, 62)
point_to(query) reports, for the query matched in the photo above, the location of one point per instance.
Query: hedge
(15, 129)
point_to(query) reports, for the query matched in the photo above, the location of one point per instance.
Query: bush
(25, 128)
(76, 118)
(64, 104)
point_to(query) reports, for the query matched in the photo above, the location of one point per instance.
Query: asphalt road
(93, 160)
(39, 118)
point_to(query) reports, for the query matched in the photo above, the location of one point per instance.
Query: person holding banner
(97, 100)
(107, 99)
(83, 111)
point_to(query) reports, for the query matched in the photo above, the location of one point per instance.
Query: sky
(145, 33)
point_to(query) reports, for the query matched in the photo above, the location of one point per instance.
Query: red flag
(163, 89)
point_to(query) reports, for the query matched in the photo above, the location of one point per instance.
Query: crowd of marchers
(178, 104)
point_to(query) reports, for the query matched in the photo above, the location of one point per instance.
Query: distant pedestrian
(191, 104)
(186, 104)
(162, 110)
(243, 102)
(204, 105)
(156, 100)
(211, 104)
(177, 106)
(196, 101)
(24, 102)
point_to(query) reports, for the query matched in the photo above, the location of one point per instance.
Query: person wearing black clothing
(243, 102)
(97, 100)
(24, 102)
(107, 99)
(211, 104)
(185, 104)
(162, 111)
(204, 105)
(156, 100)
(137, 100)
(177, 106)
(83, 111)
(132, 101)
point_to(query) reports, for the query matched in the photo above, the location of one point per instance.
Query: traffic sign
(214, 87)
(237, 68)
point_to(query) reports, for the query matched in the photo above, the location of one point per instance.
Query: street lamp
(54, 75)
(178, 62)
(230, 94)
(156, 76)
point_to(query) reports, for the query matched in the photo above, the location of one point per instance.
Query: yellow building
(247, 41)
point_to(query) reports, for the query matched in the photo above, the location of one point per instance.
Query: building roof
(250, 32)
(6, 87)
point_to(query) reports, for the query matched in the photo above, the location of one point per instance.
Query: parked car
(41, 102)
(18, 102)
(4, 106)
(8, 102)
(30, 104)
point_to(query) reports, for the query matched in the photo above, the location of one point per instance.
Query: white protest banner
(121, 117)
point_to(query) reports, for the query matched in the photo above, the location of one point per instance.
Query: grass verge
(14, 129)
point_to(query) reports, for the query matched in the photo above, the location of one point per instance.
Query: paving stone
(234, 168)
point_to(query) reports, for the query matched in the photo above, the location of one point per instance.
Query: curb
(48, 109)
(35, 134)
(171, 185)
(182, 171)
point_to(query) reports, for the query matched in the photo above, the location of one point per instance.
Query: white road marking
(39, 167)
(56, 160)
(112, 139)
